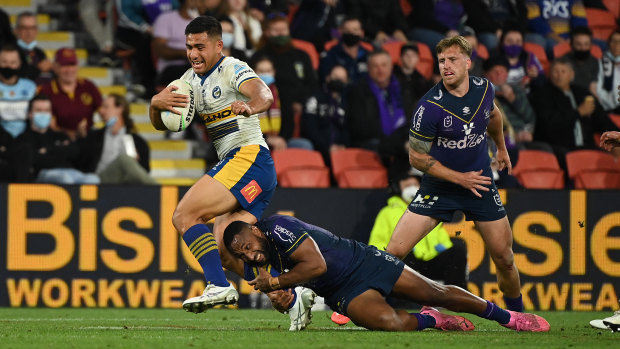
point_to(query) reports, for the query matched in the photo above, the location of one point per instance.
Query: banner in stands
(115, 246)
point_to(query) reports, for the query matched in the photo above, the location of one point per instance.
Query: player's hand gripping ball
(175, 122)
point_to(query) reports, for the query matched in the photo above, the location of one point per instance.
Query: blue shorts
(378, 271)
(440, 202)
(249, 174)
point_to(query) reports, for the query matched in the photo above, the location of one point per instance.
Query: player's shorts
(248, 172)
(378, 271)
(440, 203)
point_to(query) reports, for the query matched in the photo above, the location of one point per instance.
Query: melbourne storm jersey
(456, 126)
(214, 92)
(342, 256)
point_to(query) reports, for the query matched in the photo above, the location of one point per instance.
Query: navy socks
(201, 243)
(514, 304)
(493, 312)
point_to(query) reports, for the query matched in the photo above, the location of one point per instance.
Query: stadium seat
(483, 52)
(425, 65)
(539, 52)
(308, 48)
(615, 118)
(593, 169)
(300, 168)
(613, 6)
(358, 168)
(332, 43)
(601, 22)
(537, 169)
(562, 48)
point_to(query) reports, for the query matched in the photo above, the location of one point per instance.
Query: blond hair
(458, 40)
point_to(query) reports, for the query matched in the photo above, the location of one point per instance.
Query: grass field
(223, 329)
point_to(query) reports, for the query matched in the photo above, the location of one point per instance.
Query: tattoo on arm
(419, 146)
(428, 163)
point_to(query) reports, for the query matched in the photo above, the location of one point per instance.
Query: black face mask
(581, 55)
(336, 85)
(280, 40)
(8, 73)
(350, 39)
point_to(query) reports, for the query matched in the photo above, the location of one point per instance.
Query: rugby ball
(175, 122)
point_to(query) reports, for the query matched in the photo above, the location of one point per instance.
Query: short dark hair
(232, 230)
(581, 30)
(409, 46)
(562, 60)
(205, 24)
(377, 52)
(38, 97)
(617, 31)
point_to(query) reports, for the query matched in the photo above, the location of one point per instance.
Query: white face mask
(409, 192)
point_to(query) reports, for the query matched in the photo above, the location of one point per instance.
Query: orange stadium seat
(300, 168)
(593, 169)
(425, 65)
(537, 169)
(358, 168)
(562, 48)
(309, 48)
(539, 52)
(483, 52)
(613, 6)
(601, 22)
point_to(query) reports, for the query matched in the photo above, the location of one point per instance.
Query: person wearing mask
(247, 30)
(36, 65)
(585, 65)
(609, 74)
(15, 93)
(525, 69)
(228, 40)
(270, 120)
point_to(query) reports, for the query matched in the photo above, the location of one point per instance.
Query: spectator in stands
(315, 20)
(432, 20)
(209, 7)
(383, 21)
(115, 153)
(436, 256)
(74, 100)
(15, 92)
(406, 72)
(296, 80)
(6, 32)
(609, 74)
(551, 22)
(348, 53)
(525, 69)
(228, 39)
(323, 122)
(36, 63)
(169, 42)
(585, 65)
(270, 120)
(100, 29)
(247, 29)
(261, 8)
(378, 110)
(567, 115)
(54, 154)
(487, 18)
(476, 61)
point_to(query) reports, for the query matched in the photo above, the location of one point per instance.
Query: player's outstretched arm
(496, 131)
(165, 100)
(260, 98)
(420, 158)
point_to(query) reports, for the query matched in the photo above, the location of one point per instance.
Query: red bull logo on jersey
(251, 191)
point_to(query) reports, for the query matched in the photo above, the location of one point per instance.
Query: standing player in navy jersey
(448, 143)
(355, 278)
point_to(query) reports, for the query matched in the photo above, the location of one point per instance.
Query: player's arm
(495, 129)
(260, 98)
(165, 100)
(420, 158)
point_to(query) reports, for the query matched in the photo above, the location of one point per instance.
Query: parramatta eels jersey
(213, 93)
(456, 126)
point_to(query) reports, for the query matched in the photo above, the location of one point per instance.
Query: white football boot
(211, 296)
(301, 312)
(611, 323)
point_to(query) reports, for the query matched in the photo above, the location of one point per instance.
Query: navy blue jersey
(456, 126)
(342, 256)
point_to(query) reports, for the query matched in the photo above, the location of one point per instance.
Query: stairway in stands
(171, 160)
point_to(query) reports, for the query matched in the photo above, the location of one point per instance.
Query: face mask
(227, 39)
(409, 193)
(8, 73)
(350, 39)
(41, 120)
(335, 85)
(268, 79)
(14, 127)
(581, 55)
(280, 40)
(111, 121)
(513, 50)
(25, 46)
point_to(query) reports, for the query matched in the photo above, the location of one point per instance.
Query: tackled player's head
(203, 43)
(246, 242)
(453, 55)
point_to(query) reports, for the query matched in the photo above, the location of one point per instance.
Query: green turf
(223, 329)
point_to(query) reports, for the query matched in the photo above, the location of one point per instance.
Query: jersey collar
(204, 77)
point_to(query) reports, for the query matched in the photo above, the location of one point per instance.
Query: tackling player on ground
(228, 97)
(448, 142)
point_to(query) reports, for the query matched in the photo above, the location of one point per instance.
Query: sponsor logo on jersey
(217, 116)
(467, 128)
(417, 118)
(217, 92)
(425, 201)
(238, 68)
(478, 81)
(447, 121)
(284, 234)
(439, 96)
(241, 74)
(466, 111)
(251, 191)
(487, 113)
(469, 141)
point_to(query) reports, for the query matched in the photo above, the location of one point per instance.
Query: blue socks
(493, 312)
(202, 244)
(250, 273)
(424, 321)
(514, 304)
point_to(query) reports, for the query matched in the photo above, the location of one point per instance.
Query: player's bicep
(255, 89)
(308, 255)
(420, 146)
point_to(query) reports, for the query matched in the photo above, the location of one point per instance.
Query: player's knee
(504, 260)
(180, 221)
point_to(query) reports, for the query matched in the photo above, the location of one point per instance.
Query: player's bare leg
(409, 230)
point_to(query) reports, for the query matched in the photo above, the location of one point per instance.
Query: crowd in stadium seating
(344, 74)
